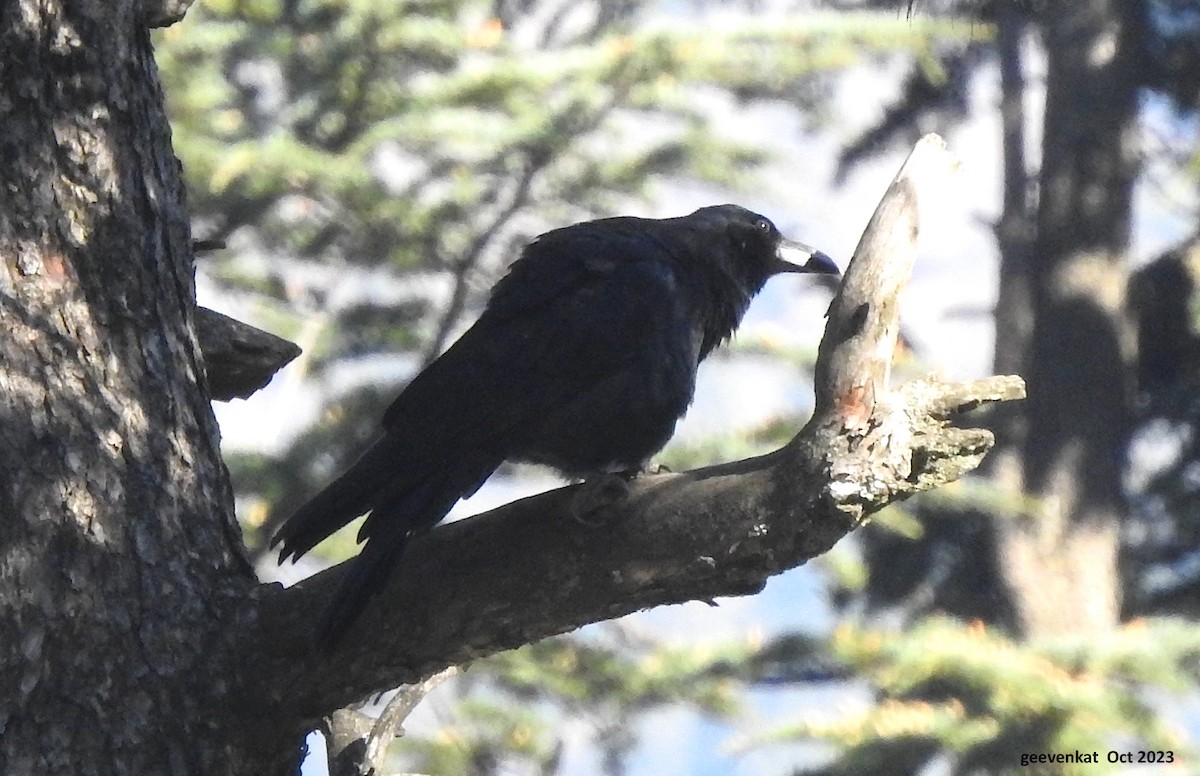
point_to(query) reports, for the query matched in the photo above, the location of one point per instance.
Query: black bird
(584, 359)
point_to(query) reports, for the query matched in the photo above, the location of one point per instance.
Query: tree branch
(239, 359)
(163, 13)
(530, 569)
(358, 744)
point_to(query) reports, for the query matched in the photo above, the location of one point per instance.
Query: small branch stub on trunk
(239, 359)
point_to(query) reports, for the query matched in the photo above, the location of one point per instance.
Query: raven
(583, 360)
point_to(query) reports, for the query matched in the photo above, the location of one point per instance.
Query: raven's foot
(648, 470)
(596, 495)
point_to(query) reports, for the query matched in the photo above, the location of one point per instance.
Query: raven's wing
(587, 311)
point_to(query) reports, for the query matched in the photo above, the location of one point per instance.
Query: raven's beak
(792, 256)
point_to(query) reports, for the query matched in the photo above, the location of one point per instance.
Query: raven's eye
(763, 225)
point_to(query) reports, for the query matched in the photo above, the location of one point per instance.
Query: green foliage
(415, 135)
(984, 698)
(633, 678)
(679, 457)
(515, 703)
(485, 738)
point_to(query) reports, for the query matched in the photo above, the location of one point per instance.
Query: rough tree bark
(119, 554)
(133, 635)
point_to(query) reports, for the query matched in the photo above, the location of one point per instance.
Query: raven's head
(739, 250)
(752, 249)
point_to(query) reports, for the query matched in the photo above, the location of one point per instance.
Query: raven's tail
(405, 497)
(344, 499)
(366, 576)
(398, 515)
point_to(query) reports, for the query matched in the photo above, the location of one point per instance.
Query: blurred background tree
(374, 167)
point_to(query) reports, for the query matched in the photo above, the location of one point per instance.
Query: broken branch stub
(855, 358)
(875, 444)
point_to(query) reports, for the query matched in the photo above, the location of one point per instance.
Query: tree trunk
(1060, 563)
(119, 554)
